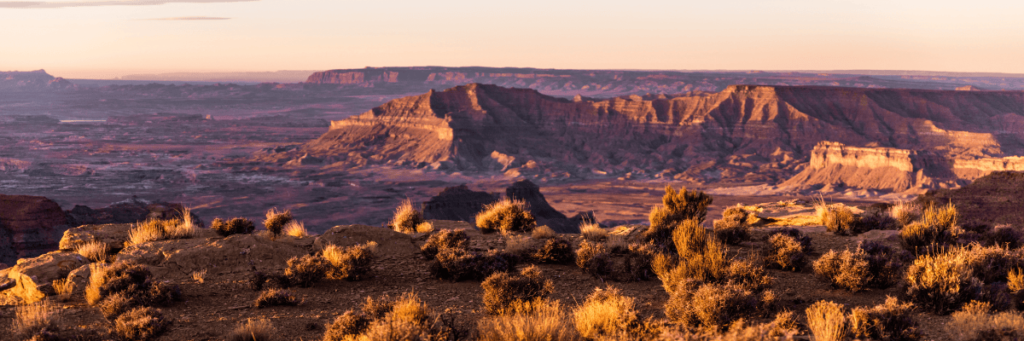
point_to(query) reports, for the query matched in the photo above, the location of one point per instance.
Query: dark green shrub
(306, 271)
(554, 251)
(506, 216)
(460, 265)
(233, 226)
(445, 239)
(276, 220)
(502, 289)
(784, 252)
(143, 323)
(891, 320)
(593, 258)
(346, 326)
(276, 297)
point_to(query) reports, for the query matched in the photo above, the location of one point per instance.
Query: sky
(110, 38)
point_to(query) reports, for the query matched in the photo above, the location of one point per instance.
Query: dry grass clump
(506, 215)
(254, 330)
(445, 239)
(276, 221)
(186, 227)
(838, 219)
(700, 257)
(296, 229)
(991, 264)
(1015, 284)
(937, 227)
(607, 314)
(306, 271)
(782, 328)
(679, 206)
(734, 227)
(199, 276)
(784, 252)
(350, 263)
(712, 306)
(891, 320)
(460, 264)
(541, 320)
(870, 265)
(593, 258)
(38, 319)
(133, 281)
(593, 232)
(519, 245)
(159, 229)
(905, 212)
(407, 218)
(275, 297)
(943, 282)
(554, 251)
(827, 321)
(64, 288)
(543, 232)
(143, 323)
(502, 290)
(95, 251)
(346, 325)
(976, 322)
(407, 318)
(233, 226)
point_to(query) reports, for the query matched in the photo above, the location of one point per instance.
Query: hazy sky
(108, 38)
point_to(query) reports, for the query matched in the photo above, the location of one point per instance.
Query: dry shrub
(805, 241)
(460, 264)
(518, 245)
(296, 229)
(199, 276)
(186, 227)
(680, 206)
(943, 282)
(142, 323)
(95, 251)
(276, 297)
(784, 252)
(425, 227)
(891, 320)
(148, 231)
(233, 226)
(905, 212)
(259, 280)
(827, 321)
(351, 263)
(543, 232)
(712, 306)
(276, 220)
(254, 330)
(502, 289)
(617, 243)
(133, 281)
(1015, 284)
(1006, 237)
(346, 326)
(593, 232)
(992, 264)
(635, 264)
(506, 215)
(445, 239)
(554, 251)
(116, 304)
(847, 270)
(700, 256)
(937, 227)
(782, 328)
(593, 258)
(36, 319)
(976, 322)
(885, 263)
(64, 288)
(307, 270)
(839, 219)
(734, 227)
(541, 320)
(606, 314)
(406, 218)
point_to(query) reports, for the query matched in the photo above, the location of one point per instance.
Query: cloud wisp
(84, 3)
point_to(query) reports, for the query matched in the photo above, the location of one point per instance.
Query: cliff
(32, 80)
(29, 226)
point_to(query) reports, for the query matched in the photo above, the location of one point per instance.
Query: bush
(593, 232)
(276, 297)
(991, 264)
(554, 251)
(346, 326)
(712, 306)
(701, 258)
(351, 263)
(36, 319)
(805, 241)
(593, 258)
(406, 218)
(306, 271)
(543, 232)
(151, 230)
(532, 321)
(116, 304)
(459, 264)
(680, 206)
(606, 313)
(827, 321)
(1007, 237)
(506, 216)
(445, 239)
(95, 251)
(140, 324)
(784, 252)
(636, 263)
(1015, 284)
(877, 218)
(254, 330)
(905, 212)
(233, 226)
(734, 227)
(884, 263)
(937, 227)
(838, 219)
(276, 220)
(502, 290)
(860, 269)
(942, 282)
(891, 320)
(976, 322)
(377, 308)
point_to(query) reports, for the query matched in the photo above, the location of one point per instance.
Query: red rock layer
(33, 226)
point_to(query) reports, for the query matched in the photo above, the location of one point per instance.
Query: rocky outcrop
(32, 80)
(113, 236)
(389, 242)
(127, 211)
(993, 199)
(457, 203)
(545, 214)
(34, 277)
(29, 226)
(837, 165)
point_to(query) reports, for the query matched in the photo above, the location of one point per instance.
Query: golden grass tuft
(183, 228)
(425, 227)
(95, 251)
(276, 220)
(254, 330)
(506, 215)
(145, 232)
(199, 276)
(31, 320)
(606, 313)
(543, 232)
(540, 320)
(97, 277)
(64, 288)
(904, 212)
(827, 321)
(407, 218)
(296, 229)
(976, 322)
(593, 232)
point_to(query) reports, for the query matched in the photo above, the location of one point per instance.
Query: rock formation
(742, 134)
(457, 203)
(545, 214)
(127, 211)
(29, 226)
(992, 200)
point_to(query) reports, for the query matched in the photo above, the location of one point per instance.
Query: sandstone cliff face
(744, 133)
(29, 226)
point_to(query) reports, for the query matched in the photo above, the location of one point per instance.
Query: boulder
(34, 276)
(114, 235)
(80, 276)
(29, 226)
(389, 242)
(457, 203)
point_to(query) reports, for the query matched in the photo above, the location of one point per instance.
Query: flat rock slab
(178, 258)
(114, 235)
(34, 276)
(389, 242)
